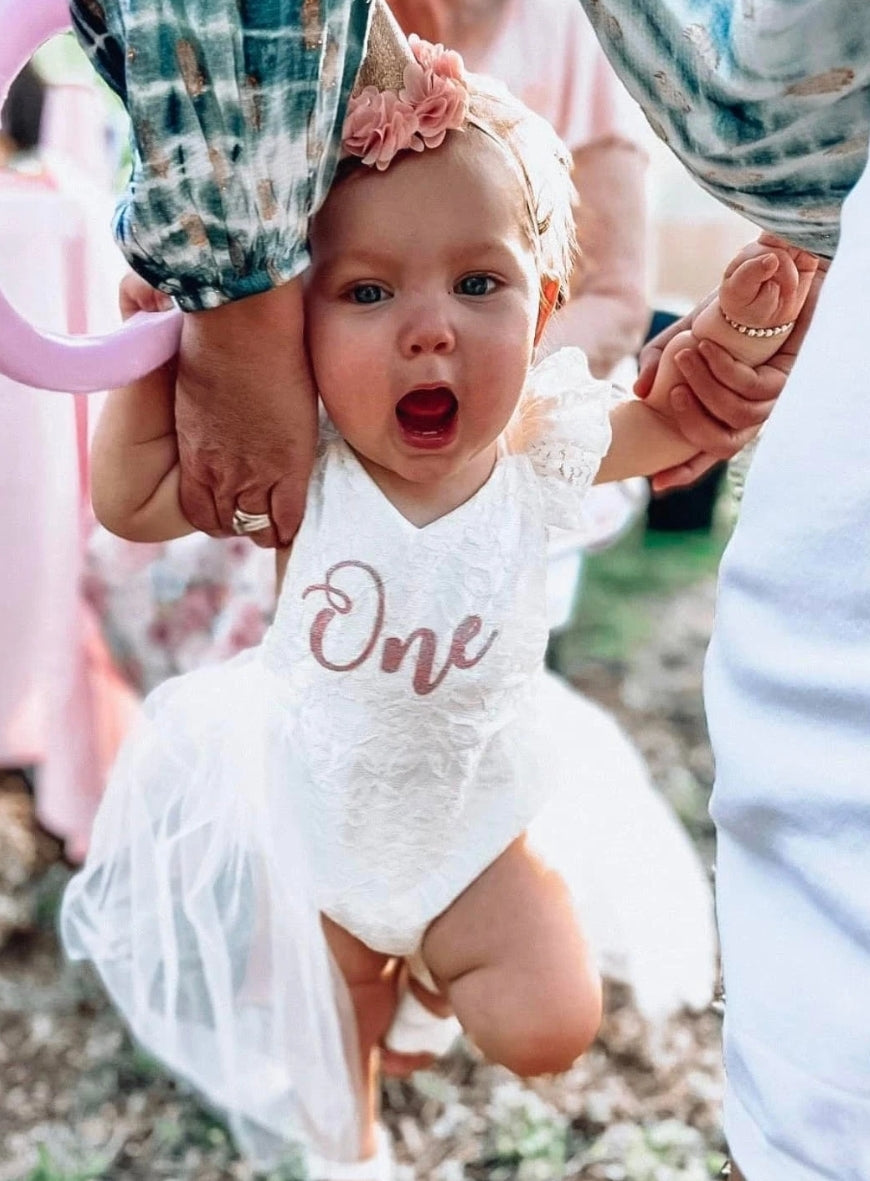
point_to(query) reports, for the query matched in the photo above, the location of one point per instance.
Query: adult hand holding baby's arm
(246, 414)
(719, 402)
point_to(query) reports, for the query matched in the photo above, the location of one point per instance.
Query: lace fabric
(413, 657)
(562, 424)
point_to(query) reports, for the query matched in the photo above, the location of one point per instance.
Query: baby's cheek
(329, 354)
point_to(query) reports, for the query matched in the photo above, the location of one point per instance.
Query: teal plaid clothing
(236, 108)
(767, 102)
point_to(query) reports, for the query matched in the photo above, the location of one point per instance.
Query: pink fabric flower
(445, 62)
(439, 101)
(378, 125)
(433, 101)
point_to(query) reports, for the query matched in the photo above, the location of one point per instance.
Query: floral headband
(410, 93)
(432, 100)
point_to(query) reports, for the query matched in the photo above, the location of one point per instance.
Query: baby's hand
(137, 295)
(767, 283)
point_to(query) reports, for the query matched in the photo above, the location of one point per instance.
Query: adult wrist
(214, 342)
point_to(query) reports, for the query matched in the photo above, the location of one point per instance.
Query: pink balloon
(80, 364)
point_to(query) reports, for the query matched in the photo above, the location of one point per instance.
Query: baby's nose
(428, 330)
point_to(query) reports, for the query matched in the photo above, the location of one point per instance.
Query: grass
(48, 1170)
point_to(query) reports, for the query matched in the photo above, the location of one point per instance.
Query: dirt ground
(79, 1102)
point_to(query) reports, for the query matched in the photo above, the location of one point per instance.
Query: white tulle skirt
(198, 908)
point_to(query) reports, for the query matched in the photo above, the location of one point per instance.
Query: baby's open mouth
(427, 414)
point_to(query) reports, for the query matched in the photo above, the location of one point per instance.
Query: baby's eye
(476, 285)
(367, 293)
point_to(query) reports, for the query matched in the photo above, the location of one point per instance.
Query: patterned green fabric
(236, 108)
(766, 102)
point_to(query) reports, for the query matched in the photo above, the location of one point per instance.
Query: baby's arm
(763, 288)
(134, 458)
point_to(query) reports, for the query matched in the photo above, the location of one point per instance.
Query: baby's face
(421, 311)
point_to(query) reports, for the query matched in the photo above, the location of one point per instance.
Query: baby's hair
(542, 165)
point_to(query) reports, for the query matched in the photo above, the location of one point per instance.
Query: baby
(389, 776)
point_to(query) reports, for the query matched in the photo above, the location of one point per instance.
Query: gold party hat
(387, 52)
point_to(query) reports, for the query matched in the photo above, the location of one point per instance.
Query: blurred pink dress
(63, 706)
(65, 701)
(547, 54)
(35, 225)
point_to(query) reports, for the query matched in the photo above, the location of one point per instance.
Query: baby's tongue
(426, 410)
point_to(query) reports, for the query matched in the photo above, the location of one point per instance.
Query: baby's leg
(371, 982)
(510, 956)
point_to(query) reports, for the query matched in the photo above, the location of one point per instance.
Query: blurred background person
(62, 706)
(68, 586)
(29, 211)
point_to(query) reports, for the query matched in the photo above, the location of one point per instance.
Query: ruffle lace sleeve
(562, 424)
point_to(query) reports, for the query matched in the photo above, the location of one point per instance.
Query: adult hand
(723, 402)
(246, 414)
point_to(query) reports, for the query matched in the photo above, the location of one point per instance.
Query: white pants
(788, 699)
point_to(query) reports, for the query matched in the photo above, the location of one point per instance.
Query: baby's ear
(547, 304)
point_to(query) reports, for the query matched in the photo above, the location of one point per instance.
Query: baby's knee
(537, 1031)
(549, 1042)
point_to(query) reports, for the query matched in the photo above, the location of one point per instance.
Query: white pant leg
(788, 700)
